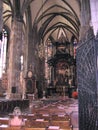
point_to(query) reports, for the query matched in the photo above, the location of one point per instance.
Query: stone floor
(58, 105)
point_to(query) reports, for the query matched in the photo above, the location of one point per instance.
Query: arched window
(3, 50)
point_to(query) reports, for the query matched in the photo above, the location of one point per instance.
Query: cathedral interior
(48, 54)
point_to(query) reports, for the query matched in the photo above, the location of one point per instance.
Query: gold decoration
(41, 51)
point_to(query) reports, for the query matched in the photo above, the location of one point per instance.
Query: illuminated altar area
(63, 65)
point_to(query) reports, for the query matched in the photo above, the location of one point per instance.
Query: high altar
(63, 63)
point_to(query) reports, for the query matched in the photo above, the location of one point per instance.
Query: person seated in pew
(17, 119)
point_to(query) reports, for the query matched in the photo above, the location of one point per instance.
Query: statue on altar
(63, 63)
(61, 73)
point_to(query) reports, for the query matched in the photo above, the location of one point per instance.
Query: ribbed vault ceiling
(58, 15)
(52, 17)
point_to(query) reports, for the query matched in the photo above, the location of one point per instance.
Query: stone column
(15, 52)
(94, 15)
(1, 17)
(85, 18)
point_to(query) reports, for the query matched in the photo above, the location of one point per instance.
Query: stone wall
(87, 83)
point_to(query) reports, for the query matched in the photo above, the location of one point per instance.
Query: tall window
(3, 50)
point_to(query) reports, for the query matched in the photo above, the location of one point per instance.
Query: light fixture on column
(41, 50)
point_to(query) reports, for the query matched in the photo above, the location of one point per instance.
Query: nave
(54, 113)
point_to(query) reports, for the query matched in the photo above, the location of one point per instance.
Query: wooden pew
(61, 124)
(4, 120)
(36, 124)
(69, 128)
(46, 117)
(11, 128)
(36, 116)
(58, 128)
(35, 129)
(60, 117)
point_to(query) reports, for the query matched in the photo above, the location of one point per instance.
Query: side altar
(30, 85)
